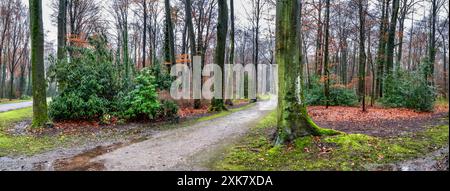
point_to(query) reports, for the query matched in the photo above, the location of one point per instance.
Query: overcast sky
(51, 30)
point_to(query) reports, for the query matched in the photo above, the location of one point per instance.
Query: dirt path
(15, 106)
(187, 148)
(177, 149)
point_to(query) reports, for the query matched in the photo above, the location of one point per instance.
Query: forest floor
(380, 139)
(138, 146)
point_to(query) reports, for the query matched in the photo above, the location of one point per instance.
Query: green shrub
(142, 102)
(339, 96)
(168, 110)
(163, 79)
(88, 83)
(409, 90)
(25, 97)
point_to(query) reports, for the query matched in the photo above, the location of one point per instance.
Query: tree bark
(62, 10)
(391, 40)
(144, 35)
(40, 116)
(169, 37)
(381, 55)
(327, 54)
(293, 119)
(362, 55)
(218, 104)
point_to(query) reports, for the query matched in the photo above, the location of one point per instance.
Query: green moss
(18, 145)
(304, 142)
(264, 97)
(12, 145)
(7, 118)
(344, 152)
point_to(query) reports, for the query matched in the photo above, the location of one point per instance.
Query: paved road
(15, 106)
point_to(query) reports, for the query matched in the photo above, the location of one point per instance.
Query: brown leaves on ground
(189, 111)
(377, 121)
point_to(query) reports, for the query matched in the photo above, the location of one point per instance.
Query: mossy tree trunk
(293, 118)
(218, 104)
(40, 116)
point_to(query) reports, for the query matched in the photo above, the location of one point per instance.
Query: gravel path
(180, 149)
(15, 106)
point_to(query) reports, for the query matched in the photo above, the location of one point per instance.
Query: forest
(298, 85)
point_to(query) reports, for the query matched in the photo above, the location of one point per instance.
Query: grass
(225, 113)
(264, 97)
(21, 144)
(10, 117)
(344, 152)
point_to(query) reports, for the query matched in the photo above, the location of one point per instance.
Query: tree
(218, 104)
(327, 54)
(18, 42)
(5, 23)
(391, 37)
(255, 18)
(362, 54)
(319, 39)
(293, 119)
(432, 44)
(120, 8)
(381, 55)
(232, 42)
(40, 116)
(169, 38)
(144, 34)
(62, 18)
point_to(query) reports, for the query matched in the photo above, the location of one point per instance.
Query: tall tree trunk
(40, 116)
(144, 35)
(429, 74)
(391, 37)
(217, 104)
(327, 54)
(401, 29)
(362, 55)
(62, 10)
(169, 37)
(381, 55)
(192, 41)
(232, 44)
(411, 33)
(125, 52)
(293, 119)
(319, 45)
